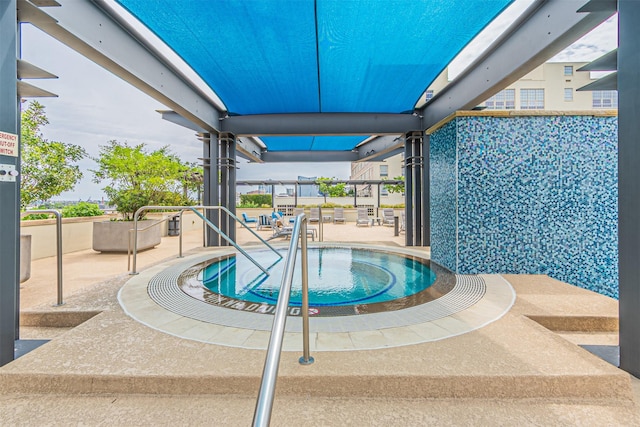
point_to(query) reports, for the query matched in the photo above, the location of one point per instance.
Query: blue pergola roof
(307, 143)
(317, 56)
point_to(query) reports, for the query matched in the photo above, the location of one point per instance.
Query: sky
(95, 106)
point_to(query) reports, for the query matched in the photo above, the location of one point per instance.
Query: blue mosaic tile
(443, 196)
(534, 195)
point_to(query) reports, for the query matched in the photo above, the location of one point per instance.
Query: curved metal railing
(207, 222)
(264, 405)
(58, 243)
(148, 227)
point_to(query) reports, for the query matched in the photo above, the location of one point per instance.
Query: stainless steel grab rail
(206, 221)
(58, 244)
(148, 227)
(264, 405)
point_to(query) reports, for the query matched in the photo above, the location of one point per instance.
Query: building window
(605, 99)
(503, 100)
(383, 191)
(429, 95)
(384, 170)
(568, 70)
(568, 94)
(531, 99)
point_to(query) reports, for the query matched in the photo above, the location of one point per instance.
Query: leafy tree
(138, 178)
(192, 178)
(48, 167)
(333, 190)
(395, 188)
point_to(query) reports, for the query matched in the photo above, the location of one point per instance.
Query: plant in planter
(136, 178)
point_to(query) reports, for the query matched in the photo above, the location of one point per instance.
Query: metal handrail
(264, 405)
(58, 244)
(320, 225)
(148, 227)
(206, 221)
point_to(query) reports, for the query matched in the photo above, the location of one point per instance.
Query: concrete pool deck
(523, 369)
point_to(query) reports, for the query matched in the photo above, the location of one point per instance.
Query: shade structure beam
(90, 28)
(320, 124)
(380, 148)
(247, 147)
(309, 156)
(543, 30)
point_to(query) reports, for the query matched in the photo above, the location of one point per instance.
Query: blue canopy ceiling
(306, 143)
(317, 56)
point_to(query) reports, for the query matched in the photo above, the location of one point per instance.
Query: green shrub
(81, 209)
(33, 217)
(254, 200)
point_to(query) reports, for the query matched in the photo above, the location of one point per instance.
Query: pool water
(337, 277)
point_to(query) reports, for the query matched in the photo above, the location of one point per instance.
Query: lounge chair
(249, 220)
(387, 217)
(363, 217)
(338, 216)
(314, 215)
(280, 230)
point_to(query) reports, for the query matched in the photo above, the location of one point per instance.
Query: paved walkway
(523, 369)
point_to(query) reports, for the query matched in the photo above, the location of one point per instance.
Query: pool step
(55, 319)
(233, 410)
(513, 358)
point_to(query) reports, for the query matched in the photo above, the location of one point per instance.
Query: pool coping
(374, 331)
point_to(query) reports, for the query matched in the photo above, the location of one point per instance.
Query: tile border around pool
(383, 330)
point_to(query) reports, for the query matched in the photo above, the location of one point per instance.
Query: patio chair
(314, 215)
(278, 216)
(263, 222)
(296, 212)
(402, 222)
(387, 217)
(249, 220)
(363, 217)
(338, 216)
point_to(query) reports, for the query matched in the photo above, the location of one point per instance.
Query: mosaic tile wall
(531, 194)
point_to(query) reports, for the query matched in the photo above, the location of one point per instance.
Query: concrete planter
(113, 236)
(25, 257)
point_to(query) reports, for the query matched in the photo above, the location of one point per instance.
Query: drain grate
(164, 290)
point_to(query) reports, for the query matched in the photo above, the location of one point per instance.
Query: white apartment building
(552, 86)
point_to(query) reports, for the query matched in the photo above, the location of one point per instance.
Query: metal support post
(414, 188)
(426, 191)
(10, 184)
(227, 182)
(408, 193)
(306, 358)
(224, 184)
(628, 178)
(211, 188)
